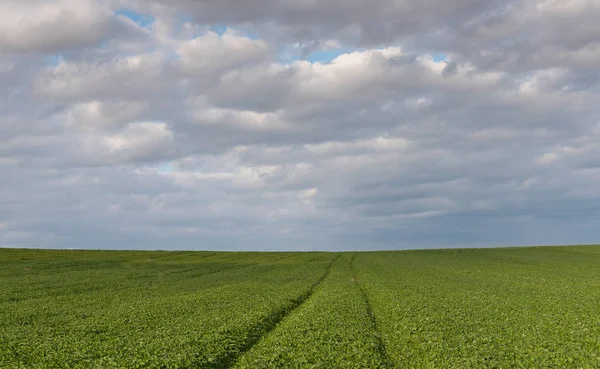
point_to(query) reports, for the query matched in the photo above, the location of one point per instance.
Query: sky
(299, 125)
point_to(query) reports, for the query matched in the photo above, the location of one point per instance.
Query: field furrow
(536, 307)
(376, 331)
(266, 325)
(164, 318)
(332, 329)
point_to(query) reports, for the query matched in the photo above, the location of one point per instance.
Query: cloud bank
(299, 125)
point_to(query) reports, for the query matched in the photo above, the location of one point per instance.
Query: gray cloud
(114, 135)
(51, 26)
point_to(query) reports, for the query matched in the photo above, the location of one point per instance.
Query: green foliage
(487, 308)
(84, 309)
(535, 307)
(331, 330)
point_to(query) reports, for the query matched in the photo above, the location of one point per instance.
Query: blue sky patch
(439, 57)
(220, 29)
(144, 20)
(326, 56)
(290, 54)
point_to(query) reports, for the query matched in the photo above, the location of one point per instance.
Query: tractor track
(376, 332)
(265, 326)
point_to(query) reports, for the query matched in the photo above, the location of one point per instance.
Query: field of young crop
(536, 307)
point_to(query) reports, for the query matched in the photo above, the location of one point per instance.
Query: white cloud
(130, 76)
(135, 142)
(372, 145)
(96, 114)
(175, 135)
(243, 119)
(51, 26)
(139, 139)
(213, 53)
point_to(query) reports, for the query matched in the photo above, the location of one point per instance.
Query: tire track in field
(268, 324)
(376, 332)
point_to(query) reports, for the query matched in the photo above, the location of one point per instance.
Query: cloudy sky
(295, 125)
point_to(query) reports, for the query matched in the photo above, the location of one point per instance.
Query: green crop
(128, 310)
(487, 308)
(536, 307)
(331, 330)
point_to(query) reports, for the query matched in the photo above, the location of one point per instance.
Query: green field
(536, 307)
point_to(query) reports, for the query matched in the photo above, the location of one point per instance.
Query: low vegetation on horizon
(530, 307)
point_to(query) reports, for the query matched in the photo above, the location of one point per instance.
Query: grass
(470, 308)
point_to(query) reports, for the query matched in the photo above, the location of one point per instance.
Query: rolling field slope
(479, 308)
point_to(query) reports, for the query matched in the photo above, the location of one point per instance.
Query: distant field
(536, 307)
